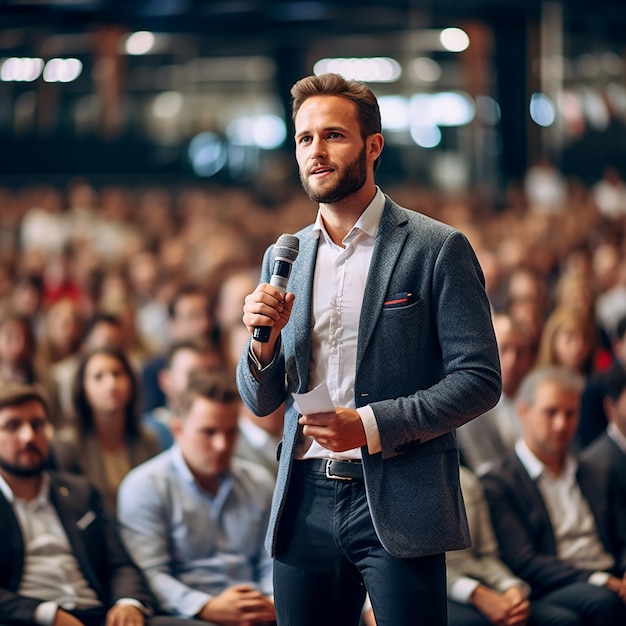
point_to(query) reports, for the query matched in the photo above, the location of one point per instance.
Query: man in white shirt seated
(555, 517)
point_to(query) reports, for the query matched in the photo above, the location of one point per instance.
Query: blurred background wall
(473, 92)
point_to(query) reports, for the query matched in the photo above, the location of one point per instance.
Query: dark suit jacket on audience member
(524, 530)
(593, 420)
(94, 541)
(604, 451)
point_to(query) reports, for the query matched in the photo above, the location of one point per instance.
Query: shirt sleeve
(371, 429)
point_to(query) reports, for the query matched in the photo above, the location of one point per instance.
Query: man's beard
(350, 181)
(20, 471)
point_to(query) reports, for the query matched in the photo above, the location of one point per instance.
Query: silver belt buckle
(334, 476)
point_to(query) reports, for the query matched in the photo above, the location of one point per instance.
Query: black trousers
(328, 556)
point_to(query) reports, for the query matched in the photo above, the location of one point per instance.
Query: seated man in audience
(194, 517)
(609, 449)
(482, 590)
(183, 358)
(554, 516)
(61, 560)
(495, 432)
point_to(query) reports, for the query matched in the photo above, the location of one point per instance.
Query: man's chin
(22, 471)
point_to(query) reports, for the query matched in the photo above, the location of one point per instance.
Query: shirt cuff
(132, 602)
(256, 364)
(46, 612)
(371, 429)
(509, 583)
(463, 589)
(598, 579)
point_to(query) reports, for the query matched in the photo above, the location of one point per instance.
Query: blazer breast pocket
(400, 300)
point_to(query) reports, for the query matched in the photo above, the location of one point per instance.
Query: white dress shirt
(573, 523)
(338, 287)
(51, 572)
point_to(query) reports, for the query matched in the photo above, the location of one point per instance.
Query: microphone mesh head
(287, 247)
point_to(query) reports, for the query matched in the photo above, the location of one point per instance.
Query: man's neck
(24, 488)
(340, 217)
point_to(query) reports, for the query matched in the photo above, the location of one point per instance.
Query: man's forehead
(28, 408)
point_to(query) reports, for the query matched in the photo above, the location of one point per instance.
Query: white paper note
(315, 401)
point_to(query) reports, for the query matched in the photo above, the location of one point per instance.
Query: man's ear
(374, 144)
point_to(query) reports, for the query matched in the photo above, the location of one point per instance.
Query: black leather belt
(334, 469)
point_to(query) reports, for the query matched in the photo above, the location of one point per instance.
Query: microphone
(285, 253)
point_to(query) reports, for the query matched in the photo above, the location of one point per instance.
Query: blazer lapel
(390, 240)
(300, 322)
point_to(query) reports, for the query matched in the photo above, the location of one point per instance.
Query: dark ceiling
(254, 23)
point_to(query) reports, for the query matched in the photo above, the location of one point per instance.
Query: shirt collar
(44, 489)
(368, 221)
(536, 468)
(183, 470)
(617, 436)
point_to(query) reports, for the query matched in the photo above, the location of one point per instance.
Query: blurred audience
(61, 558)
(108, 439)
(485, 439)
(183, 359)
(557, 518)
(593, 416)
(188, 318)
(194, 517)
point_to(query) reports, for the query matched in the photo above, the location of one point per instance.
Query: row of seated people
(106, 364)
(548, 522)
(193, 519)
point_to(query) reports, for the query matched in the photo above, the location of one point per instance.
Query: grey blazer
(424, 368)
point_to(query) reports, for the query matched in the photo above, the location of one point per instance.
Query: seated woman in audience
(108, 439)
(569, 340)
(17, 359)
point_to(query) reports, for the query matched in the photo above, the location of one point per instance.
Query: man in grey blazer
(388, 309)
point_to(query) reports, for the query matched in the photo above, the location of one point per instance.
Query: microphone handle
(279, 279)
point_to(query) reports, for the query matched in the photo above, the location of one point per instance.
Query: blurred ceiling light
(369, 70)
(542, 110)
(140, 42)
(487, 110)
(454, 39)
(62, 70)
(394, 112)
(425, 69)
(24, 69)
(425, 134)
(167, 105)
(447, 108)
(262, 131)
(596, 110)
(207, 154)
